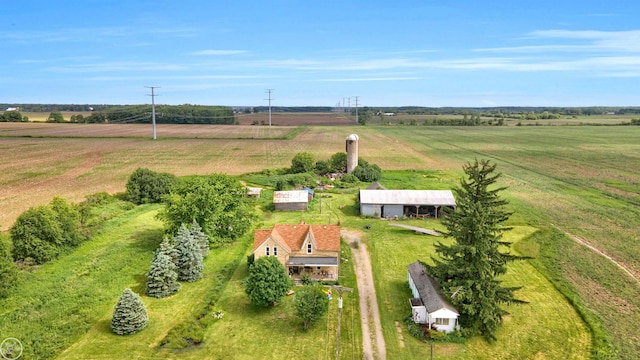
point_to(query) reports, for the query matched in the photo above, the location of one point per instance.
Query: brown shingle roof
(325, 237)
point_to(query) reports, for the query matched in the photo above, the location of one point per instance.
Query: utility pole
(340, 290)
(357, 110)
(153, 108)
(268, 91)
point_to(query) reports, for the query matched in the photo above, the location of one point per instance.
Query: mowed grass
(56, 303)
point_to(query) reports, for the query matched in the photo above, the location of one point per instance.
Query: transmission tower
(153, 108)
(269, 91)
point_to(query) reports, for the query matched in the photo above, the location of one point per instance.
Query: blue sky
(387, 53)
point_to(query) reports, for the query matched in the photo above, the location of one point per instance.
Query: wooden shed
(291, 200)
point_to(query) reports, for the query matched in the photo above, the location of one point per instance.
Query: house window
(275, 251)
(318, 267)
(309, 248)
(266, 251)
(442, 321)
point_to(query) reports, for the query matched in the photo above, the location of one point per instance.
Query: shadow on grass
(146, 240)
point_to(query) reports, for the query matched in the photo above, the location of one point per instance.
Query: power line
(153, 108)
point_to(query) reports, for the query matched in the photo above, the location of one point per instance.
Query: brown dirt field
(291, 119)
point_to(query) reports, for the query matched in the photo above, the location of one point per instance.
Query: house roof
(408, 197)
(291, 196)
(292, 237)
(253, 190)
(428, 289)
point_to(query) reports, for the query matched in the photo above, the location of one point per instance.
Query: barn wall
(393, 210)
(370, 210)
(291, 206)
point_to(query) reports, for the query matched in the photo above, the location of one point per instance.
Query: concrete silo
(352, 152)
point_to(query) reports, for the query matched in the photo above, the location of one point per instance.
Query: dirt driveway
(369, 313)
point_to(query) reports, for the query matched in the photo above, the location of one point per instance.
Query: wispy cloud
(217, 52)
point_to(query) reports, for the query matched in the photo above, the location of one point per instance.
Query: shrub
(147, 186)
(8, 270)
(302, 162)
(37, 235)
(129, 315)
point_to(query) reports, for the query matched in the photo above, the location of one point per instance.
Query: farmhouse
(401, 203)
(428, 306)
(303, 249)
(291, 200)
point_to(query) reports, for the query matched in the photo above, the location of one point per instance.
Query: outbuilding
(428, 305)
(405, 203)
(291, 200)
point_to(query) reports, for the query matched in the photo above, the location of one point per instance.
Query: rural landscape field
(574, 189)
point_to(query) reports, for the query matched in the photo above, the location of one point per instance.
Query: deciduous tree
(310, 303)
(216, 202)
(302, 163)
(147, 186)
(267, 282)
(469, 269)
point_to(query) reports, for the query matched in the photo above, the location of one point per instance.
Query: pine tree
(189, 256)
(468, 269)
(129, 315)
(162, 280)
(201, 238)
(168, 247)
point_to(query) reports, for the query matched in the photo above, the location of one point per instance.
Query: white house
(428, 305)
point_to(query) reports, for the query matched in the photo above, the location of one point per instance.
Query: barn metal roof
(291, 196)
(407, 197)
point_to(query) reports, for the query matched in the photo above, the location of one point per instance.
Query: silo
(352, 152)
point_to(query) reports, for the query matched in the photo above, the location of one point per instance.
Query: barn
(291, 200)
(405, 203)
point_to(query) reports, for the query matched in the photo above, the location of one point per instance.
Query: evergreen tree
(189, 256)
(129, 315)
(168, 247)
(267, 282)
(200, 237)
(162, 280)
(468, 269)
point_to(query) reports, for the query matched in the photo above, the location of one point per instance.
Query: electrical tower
(356, 109)
(153, 108)
(269, 91)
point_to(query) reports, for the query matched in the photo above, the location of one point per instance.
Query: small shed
(291, 200)
(254, 192)
(428, 305)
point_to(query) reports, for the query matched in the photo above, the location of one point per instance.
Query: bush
(310, 303)
(44, 232)
(367, 172)
(147, 186)
(36, 235)
(129, 315)
(8, 270)
(302, 162)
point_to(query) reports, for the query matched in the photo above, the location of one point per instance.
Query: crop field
(576, 185)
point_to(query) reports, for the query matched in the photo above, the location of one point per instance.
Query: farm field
(568, 182)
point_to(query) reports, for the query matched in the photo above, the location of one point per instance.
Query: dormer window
(309, 248)
(266, 251)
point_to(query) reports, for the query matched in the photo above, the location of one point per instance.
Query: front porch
(316, 268)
